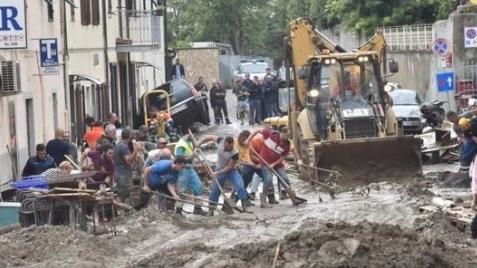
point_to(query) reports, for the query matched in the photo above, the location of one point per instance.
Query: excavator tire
(369, 160)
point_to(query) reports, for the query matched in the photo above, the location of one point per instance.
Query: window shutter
(95, 11)
(85, 12)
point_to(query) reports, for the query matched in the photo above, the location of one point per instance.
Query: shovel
(293, 197)
(227, 201)
(181, 200)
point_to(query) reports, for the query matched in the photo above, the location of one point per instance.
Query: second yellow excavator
(340, 115)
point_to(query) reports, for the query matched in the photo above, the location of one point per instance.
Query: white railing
(142, 27)
(408, 37)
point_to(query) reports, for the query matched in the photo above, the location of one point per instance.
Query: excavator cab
(346, 112)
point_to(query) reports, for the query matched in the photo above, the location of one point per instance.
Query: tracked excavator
(341, 116)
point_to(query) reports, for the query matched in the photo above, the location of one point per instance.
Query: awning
(140, 64)
(71, 2)
(80, 78)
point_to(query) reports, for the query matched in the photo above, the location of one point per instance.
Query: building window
(50, 12)
(85, 7)
(72, 13)
(130, 4)
(95, 11)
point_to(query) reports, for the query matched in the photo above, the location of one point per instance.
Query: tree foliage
(257, 27)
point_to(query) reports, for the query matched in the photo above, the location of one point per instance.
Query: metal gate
(465, 80)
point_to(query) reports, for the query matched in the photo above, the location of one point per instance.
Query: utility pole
(66, 60)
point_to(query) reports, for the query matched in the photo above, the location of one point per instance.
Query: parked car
(186, 105)
(406, 105)
(254, 67)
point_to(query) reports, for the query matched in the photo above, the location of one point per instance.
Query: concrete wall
(38, 89)
(413, 70)
(200, 62)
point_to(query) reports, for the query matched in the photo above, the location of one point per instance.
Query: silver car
(406, 105)
(254, 67)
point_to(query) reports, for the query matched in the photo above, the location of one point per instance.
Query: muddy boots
(179, 211)
(199, 211)
(211, 210)
(263, 201)
(283, 195)
(272, 200)
(295, 200)
(251, 196)
(246, 204)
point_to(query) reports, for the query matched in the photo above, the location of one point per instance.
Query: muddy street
(385, 228)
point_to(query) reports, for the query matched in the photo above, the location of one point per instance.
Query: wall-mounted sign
(12, 24)
(470, 37)
(49, 56)
(441, 47)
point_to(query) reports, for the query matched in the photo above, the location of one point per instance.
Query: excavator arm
(376, 43)
(304, 41)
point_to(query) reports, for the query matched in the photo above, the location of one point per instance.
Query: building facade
(63, 60)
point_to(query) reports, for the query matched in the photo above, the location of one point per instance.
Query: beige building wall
(36, 89)
(198, 62)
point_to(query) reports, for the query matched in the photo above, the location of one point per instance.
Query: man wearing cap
(188, 178)
(242, 94)
(468, 147)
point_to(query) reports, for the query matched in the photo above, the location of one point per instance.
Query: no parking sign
(470, 37)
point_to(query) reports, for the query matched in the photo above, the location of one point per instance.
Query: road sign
(441, 47)
(49, 56)
(13, 33)
(445, 81)
(470, 37)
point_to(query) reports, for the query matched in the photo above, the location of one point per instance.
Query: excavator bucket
(370, 160)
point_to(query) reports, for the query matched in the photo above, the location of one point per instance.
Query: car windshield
(406, 98)
(253, 68)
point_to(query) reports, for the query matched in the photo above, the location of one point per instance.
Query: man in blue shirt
(162, 176)
(39, 163)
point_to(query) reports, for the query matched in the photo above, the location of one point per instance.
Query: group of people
(258, 153)
(257, 99)
(51, 160)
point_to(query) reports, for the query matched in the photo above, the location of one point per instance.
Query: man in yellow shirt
(248, 167)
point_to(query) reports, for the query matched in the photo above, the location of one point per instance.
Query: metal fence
(142, 27)
(408, 37)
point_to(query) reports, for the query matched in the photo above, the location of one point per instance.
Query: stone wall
(200, 62)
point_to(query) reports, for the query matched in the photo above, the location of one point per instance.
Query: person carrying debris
(189, 179)
(225, 169)
(163, 177)
(249, 168)
(468, 147)
(272, 155)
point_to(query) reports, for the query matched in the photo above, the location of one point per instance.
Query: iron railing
(141, 27)
(408, 37)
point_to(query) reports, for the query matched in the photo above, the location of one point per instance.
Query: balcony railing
(408, 37)
(141, 27)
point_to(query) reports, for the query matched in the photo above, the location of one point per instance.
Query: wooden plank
(64, 189)
(70, 195)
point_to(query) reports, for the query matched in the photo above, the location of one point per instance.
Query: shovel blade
(227, 208)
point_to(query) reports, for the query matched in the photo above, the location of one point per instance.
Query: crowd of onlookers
(257, 99)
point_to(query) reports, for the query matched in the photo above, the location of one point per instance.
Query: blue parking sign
(49, 55)
(445, 81)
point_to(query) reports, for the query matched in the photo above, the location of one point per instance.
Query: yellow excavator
(340, 115)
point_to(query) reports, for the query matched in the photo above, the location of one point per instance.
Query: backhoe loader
(341, 116)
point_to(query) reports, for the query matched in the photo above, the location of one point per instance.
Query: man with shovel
(163, 176)
(227, 158)
(276, 147)
(188, 178)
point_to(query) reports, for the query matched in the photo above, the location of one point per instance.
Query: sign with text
(12, 24)
(470, 37)
(49, 56)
